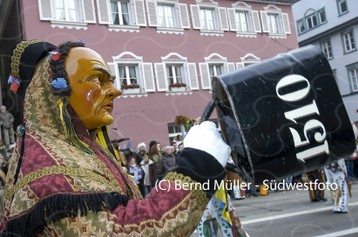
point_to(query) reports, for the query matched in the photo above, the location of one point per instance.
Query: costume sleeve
(173, 208)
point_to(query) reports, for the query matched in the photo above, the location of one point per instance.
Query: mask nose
(113, 92)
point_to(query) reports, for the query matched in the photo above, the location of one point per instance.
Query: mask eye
(93, 79)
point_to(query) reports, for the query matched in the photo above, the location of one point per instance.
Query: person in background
(135, 170)
(175, 147)
(145, 164)
(169, 161)
(180, 149)
(141, 151)
(314, 178)
(336, 173)
(156, 156)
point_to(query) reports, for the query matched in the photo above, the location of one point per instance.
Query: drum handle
(208, 110)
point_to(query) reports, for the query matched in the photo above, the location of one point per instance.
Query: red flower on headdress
(55, 55)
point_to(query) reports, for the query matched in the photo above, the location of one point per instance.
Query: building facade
(163, 52)
(332, 25)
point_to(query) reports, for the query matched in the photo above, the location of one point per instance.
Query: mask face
(92, 89)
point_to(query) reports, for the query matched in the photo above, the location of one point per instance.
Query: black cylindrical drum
(283, 116)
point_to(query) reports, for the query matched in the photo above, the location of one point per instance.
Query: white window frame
(349, 43)
(353, 77)
(164, 8)
(247, 25)
(203, 10)
(178, 12)
(213, 60)
(172, 70)
(65, 9)
(136, 11)
(188, 70)
(120, 13)
(311, 21)
(249, 59)
(339, 6)
(127, 74)
(84, 13)
(205, 23)
(144, 72)
(326, 48)
(275, 22)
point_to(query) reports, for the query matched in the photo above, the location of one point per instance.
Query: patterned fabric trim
(16, 55)
(185, 180)
(61, 170)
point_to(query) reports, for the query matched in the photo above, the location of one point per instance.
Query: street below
(292, 214)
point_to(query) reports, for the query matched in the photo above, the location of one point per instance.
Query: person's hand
(206, 137)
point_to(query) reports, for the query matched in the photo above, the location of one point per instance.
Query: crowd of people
(147, 165)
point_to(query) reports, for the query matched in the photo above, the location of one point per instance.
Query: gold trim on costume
(198, 193)
(79, 172)
(16, 55)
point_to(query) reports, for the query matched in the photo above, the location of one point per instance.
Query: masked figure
(65, 178)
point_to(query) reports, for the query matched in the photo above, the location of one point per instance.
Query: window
(301, 26)
(120, 13)
(67, 10)
(353, 76)
(216, 70)
(348, 41)
(326, 48)
(166, 15)
(322, 16)
(342, 7)
(243, 21)
(311, 21)
(274, 23)
(132, 73)
(175, 74)
(127, 75)
(175, 130)
(207, 17)
(249, 59)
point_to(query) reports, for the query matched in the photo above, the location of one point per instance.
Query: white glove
(205, 137)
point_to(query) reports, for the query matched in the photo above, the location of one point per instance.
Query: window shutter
(223, 19)
(162, 83)
(232, 22)
(205, 76)
(113, 70)
(148, 77)
(193, 77)
(45, 10)
(103, 11)
(239, 65)
(152, 13)
(140, 13)
(195, 16)
(286, 23)
(264, 23)
(88, 9)
(230, 67)
(256, 19)
(184, 16)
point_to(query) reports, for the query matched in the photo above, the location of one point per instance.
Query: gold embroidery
(198, 193)
(16, 56)
(64, 171)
